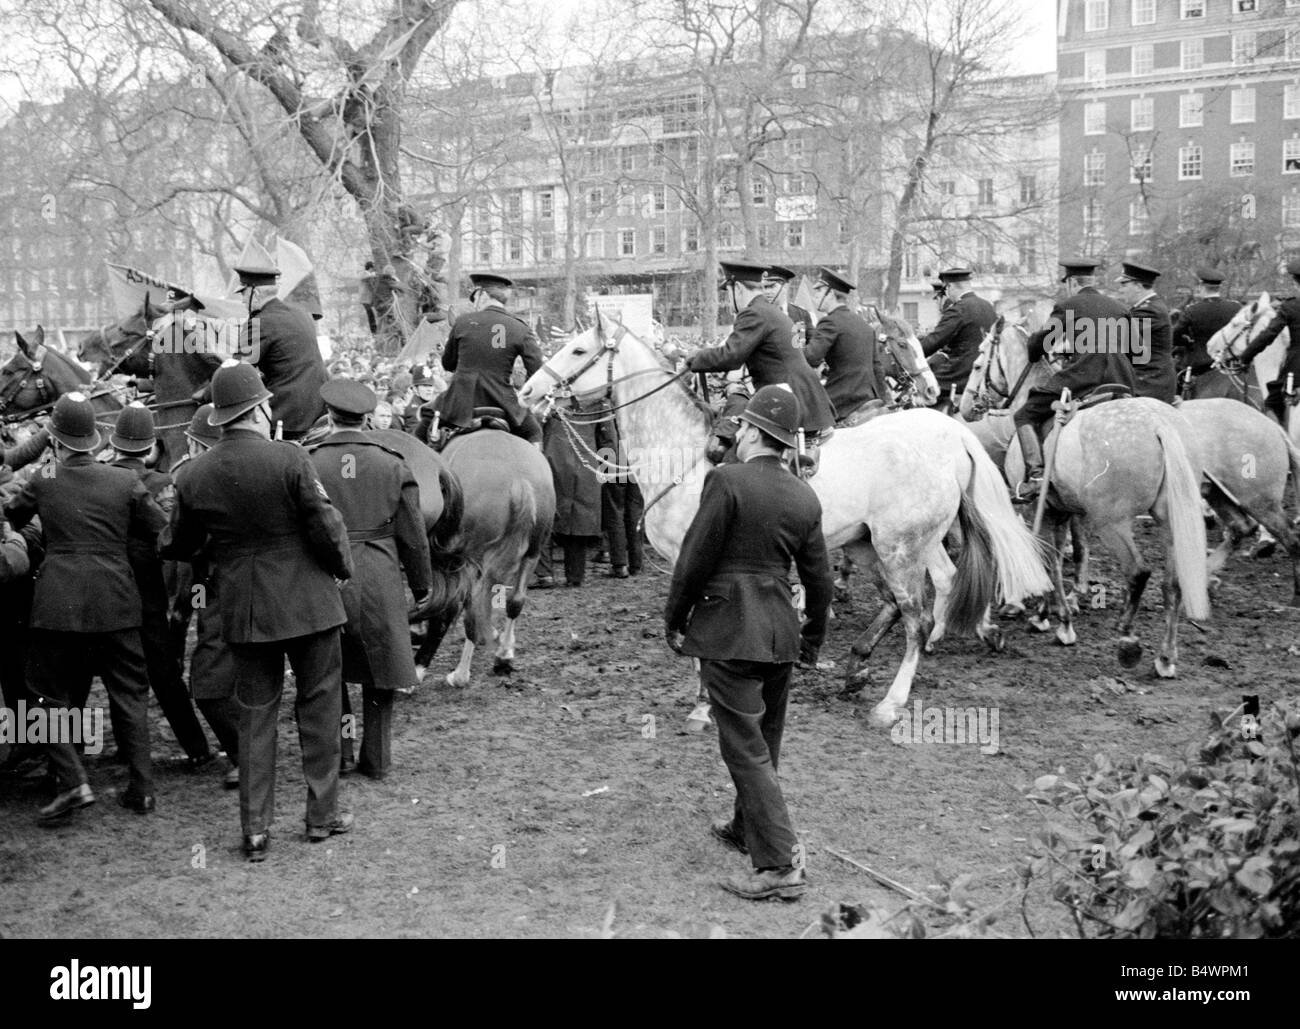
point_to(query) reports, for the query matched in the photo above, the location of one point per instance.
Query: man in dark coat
(954, 343)
(1151, 336)
(1199, 321)
(621, 505)
(86, 610)
(761, 341)
(279, 549)
(280, 341)
(577, 495)
(1286, 317)
(847, 345)
(481, 351)
(1084, 326)
(376, 493)
(731, 605)
(133, 439)
(776, 287)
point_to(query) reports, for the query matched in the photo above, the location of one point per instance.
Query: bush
(1206, 846)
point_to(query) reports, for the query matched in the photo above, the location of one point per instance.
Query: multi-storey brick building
(1180, 133)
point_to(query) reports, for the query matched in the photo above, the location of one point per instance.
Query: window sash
(1191, 110)
(1142, 114)
(1191, 54)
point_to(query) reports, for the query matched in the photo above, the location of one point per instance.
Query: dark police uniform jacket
(1287, 317)
(847, 344)
(957, 337)
(1195, 326)
(376, 492)
(89, 512)
(760, 340)
(481, 351)
(730, 593)
(142, 550)
(1156, 377)
(277, 543)
(802, 331)
(289, 359)
(1087, 307)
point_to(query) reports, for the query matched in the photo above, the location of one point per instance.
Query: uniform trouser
(60, 666)
(621, 507)
(575, 557)
(1036, 409)
(749, 699)
(259, 682)
(212, 681)
(168, 683)
(376, 729)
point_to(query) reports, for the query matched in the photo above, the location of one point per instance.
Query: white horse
(1227, 345)
(890, 490)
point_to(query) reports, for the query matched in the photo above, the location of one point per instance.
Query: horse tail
(1017, 555)
(975, 583)
(453, 572)
(1182, 495)
(505, 557)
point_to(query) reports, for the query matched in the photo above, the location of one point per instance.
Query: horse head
(34, 350)
(1241, 328)
(902, 345)
(36, 376)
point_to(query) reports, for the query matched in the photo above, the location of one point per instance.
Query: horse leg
(1275, 521)
(503, 662)
(845, 569)
(1237, 526)
(990, 632)
(435, 632)
(942, 572)
(1120, 538)
(478, 620)
(907, 583)
(855, 676)
(1167, 659)
(1042, 620)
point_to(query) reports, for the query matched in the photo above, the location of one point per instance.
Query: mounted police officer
(279, 547)
(776, 287)
(133, 439)
(761, 341)
(481, 351)
(1286, 317)
(86, 610)
(1082, 327)
(1199, 321)
(280, 340)
(1152, 352)
(730, 604)
(375, 491)
(847, 345)
(954, 343)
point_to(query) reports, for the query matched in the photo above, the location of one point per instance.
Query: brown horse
(36, 376)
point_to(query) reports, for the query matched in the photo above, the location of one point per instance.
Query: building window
(1141, 169)
(1192, 54)
(546, 205)
(726, 236)
(984, 258)
(765, 233)
(1094, 169)
(1094, 118)
(1243, 47)
(627, 158)
(760, 192)
(1291, 156)
(658, 154)
(627, 242)
(1028, 189)
(986, 192)
(513, 203)
(546, 246)
(1028, 256)
(595, 202)
(910, 312)
(1095, 15)
(1189, 162)
(1291, 211)
(626, 203)
(794, 235)
(947, 188)
(1291, 101)
(796, 185)
(1193, 9)
(1139, 220)
(909, 261)
(1144, 12)
(1244, 6)
(1243, 105)
(1191, 110)
(514, 250)
(483, 249)
(794, 147)
(691, 240)
(659, 199)
(595, 244)
(659, 241)
(1241, 159)
(845, 234)
(1144, 59)
(1094, 67)
(1142, 113)
(1292, 46)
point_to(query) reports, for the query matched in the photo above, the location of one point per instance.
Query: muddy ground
(530, 806)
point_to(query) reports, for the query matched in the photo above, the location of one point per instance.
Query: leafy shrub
(1206, 846)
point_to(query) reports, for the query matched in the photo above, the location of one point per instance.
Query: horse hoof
(1066, 637)
(503, 666)
(1263, 549)
(420, 671)
(455, 683)
(1212, 587)
(883, 715)
(1166, 669)
(1072, 604)
(1039, 624)
(996, 640)
(1130, 652)
(1011, 610)
(698, 720)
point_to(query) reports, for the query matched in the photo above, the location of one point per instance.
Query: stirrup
(1027, 492)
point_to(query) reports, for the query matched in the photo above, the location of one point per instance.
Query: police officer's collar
(128, 461)
(765, 455)
(240, 434)
(79, 458)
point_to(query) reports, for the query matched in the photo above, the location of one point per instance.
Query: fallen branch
(884, 880)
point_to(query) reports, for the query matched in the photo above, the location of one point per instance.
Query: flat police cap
(236, 388)
(953, 274)
(347, 396)
(1210, 276)
(73, 423)
(257, 266)
(1078, 266)
(201, 429)
(774, 410)
(481, 279)
(176, 295)
(837, 282)
(1139, 273)
(742, 271)
(777, 273)
(134, 432)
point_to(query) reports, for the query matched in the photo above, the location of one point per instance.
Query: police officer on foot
(375, 491)
(279, 549)
(85, 617)
(1287, 317)
(730, 604)
(1150, 332)
(1199, 321)
(480, 352)
(847, 345)
(954, 343)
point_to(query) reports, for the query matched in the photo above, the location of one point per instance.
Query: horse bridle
(995, 353)
(16, 384)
